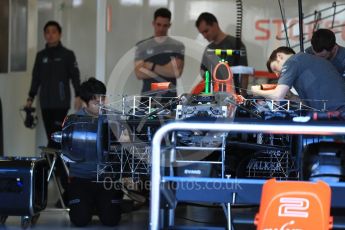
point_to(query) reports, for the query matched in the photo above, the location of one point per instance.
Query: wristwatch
(153, 66)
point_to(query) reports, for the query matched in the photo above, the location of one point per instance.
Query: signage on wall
(331, 17)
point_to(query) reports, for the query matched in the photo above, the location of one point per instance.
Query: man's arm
(73, 72)
(74, 75)
(35, 81)
(172, 69)
(146, 70)
(275, 94)
(143, 70)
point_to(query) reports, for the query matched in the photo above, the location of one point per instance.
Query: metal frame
(226, 194)
(49, 153)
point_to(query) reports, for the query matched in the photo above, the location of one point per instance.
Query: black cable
(282, 13)
(238, 44)
(300, 26)
(334, 12)
(317, 20)
(239, 19)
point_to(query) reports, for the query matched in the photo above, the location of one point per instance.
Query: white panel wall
(13, 92)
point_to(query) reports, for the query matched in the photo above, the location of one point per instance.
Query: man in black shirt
(54, 67)
(207, 25)
(159, 58)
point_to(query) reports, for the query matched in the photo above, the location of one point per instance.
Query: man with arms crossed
(159, 58)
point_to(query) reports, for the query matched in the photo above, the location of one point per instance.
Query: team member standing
(159, 58)
(54, 68)
(207, 25)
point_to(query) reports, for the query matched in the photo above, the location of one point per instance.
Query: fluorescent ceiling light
(131, 2)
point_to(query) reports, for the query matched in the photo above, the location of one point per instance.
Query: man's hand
(256, 89)
(148, 65)
(29, 102)
(172, 69)
(277, 93)
(143, 70)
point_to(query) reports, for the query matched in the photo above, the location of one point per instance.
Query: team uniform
(338, 61)
(314, 79)
(86, 197)
(159, 53)
(53, 70)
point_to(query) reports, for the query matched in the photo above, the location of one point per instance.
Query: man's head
(278, 58)
(323, 43)
(92, 92)
(207, 25)
(52, 33)
(161, 22)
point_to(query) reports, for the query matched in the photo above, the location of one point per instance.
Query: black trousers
(52, 120)
(87, 198)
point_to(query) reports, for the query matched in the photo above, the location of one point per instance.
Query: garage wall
(19, 140)
(130, 22)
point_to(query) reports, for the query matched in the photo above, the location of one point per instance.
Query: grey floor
(53, 218)
(195, 216)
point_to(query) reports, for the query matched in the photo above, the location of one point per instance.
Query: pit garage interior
(215, 157)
